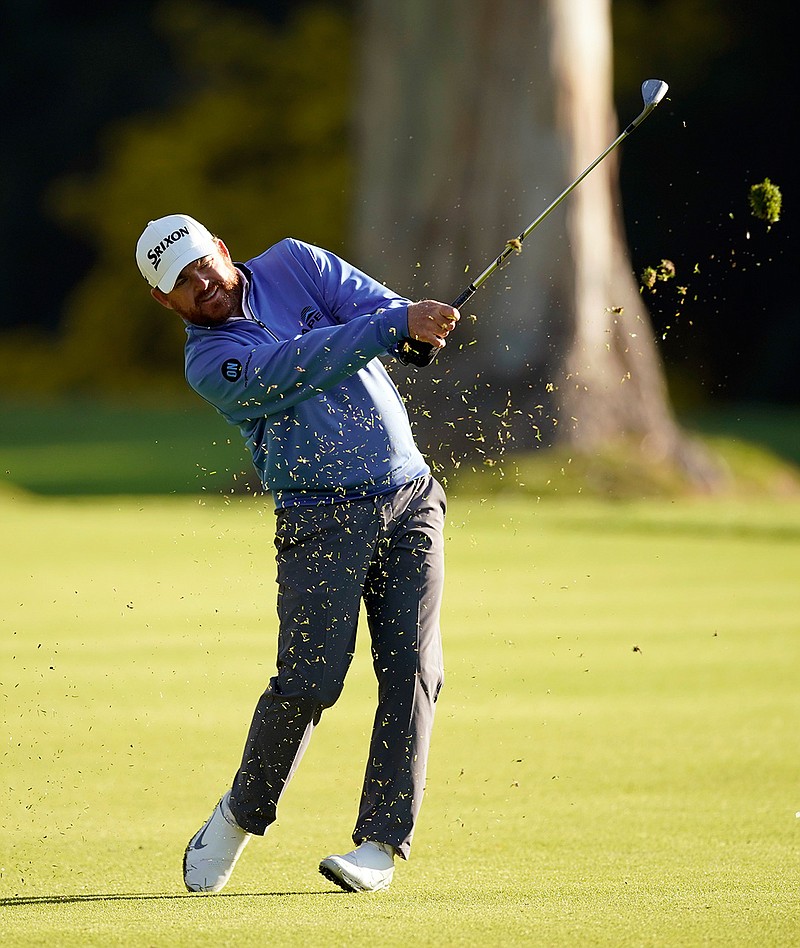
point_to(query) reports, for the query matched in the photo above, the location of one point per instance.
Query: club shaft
(469, 291)
(422, 353)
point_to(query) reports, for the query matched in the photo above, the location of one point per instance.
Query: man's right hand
(431, 322)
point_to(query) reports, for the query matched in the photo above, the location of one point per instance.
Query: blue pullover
(301, 378)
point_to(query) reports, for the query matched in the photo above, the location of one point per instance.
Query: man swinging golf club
(287, 348)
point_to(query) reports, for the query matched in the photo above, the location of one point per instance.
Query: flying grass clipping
(765, 201)
(660, 274)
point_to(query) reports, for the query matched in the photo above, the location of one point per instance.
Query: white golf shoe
(213, 850)
(367, 869)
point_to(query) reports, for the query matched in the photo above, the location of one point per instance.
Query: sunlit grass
(614, 761)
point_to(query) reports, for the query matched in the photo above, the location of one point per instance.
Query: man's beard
(218, 303)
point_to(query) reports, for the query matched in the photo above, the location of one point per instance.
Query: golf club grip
(414, 352)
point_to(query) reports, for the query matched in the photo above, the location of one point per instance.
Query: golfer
(287, 348)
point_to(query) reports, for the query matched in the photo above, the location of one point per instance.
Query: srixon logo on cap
(154, 254)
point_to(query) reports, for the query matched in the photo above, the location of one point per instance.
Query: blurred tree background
(241, 114)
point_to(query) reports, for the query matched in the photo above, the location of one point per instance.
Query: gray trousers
(388, 552)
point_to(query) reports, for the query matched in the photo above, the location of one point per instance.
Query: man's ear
(223, 249)
(161, 297)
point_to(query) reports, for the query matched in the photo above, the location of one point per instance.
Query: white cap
(167, 245)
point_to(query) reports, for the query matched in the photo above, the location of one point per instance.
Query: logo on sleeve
(310, 317)
(232, 370)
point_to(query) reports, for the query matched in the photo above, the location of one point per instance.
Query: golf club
(419, 353)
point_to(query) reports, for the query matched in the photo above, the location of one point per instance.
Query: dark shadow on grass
(147, 897)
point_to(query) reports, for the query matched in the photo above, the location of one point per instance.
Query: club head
(653, 91)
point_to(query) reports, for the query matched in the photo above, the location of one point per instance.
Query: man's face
(207, 292)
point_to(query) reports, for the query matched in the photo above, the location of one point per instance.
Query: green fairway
(87, 447)
(615, 760)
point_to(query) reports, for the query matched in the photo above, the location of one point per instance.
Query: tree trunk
(472, 118)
